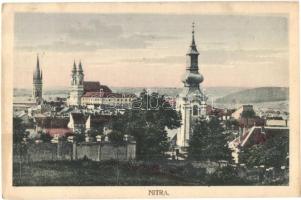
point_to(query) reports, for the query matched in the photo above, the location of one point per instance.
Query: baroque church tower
(191, 101)
(77, 86)
(37, 83)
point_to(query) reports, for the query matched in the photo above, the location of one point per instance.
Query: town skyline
(120, 51)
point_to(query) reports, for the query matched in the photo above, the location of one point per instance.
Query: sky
(149, 50)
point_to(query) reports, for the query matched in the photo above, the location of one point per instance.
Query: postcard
(150, 100)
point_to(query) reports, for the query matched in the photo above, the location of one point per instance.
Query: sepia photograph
(188, 94)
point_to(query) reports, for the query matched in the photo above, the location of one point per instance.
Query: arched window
(195, 110)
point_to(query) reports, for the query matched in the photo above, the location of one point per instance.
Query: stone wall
(105, 151)
(42, 151)
(96, 151)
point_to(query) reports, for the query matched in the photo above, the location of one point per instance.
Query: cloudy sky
(146, 50)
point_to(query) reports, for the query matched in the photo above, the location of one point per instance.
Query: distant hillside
(256, 95)
(211, 92)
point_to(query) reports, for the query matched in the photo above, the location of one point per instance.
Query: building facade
(37, 90)
(77, 85)
(85, 93)
(191, 101)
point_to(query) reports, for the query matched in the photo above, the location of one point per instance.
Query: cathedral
(191, 101)
(86, 93)
(37, 84)
(77, 85)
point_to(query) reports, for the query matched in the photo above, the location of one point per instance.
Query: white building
(77, 85)
(191, 101)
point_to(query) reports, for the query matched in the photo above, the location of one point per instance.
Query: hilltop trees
(208, 141)
(146, 122)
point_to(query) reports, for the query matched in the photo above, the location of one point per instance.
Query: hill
(256, 95)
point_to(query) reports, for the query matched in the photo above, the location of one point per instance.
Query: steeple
(80, 74)
(37, 73)
(191, 102)
(38, 63)
(192, 78)
(74, 68)
(80, 68)
(37, 82)
(193, 42)
(192, 49)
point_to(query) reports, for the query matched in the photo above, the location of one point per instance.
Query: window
(195, 110)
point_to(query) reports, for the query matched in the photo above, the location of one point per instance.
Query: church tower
(191, 101)
(37, 83)
(77, 87)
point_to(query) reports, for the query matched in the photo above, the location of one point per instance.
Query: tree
(78, 137)
(116, 137)
(18, 130)
(208, 141)
(147, 122)
(45, 137)
(272, 153)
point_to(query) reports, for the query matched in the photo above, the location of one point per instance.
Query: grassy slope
(91, 173)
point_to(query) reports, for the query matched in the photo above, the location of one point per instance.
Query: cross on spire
(192, 27)
(193, 42)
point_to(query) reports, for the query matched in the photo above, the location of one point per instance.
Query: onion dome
(192, 79)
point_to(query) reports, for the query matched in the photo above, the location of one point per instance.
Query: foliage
(45, 137)
(232, 124)
(18, 130)
(147, 122)
(116, 137)
(94, 132)
(209, 141)
(78, 138)
(272, 153)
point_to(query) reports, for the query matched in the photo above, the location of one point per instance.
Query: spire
(193, 42)
(41, 75)
(38, 64)
(192, 48)
(74, 68)
(80, 68)
(192, 77)
(37, 73)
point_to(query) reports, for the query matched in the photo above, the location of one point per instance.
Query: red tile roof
(91, 86)
(52, 122)
(94, 86)
(59, 131)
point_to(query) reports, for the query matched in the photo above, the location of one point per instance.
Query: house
(82, 123)
(77, 122)
(54, 126)
(276, 121)
(255, 135)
